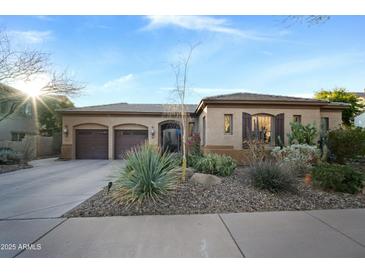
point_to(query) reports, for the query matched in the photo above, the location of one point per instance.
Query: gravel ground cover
(234, 194)
(9, 168)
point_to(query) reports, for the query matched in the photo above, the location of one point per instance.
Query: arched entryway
(170, 136)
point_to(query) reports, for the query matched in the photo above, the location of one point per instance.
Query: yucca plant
(149, 174)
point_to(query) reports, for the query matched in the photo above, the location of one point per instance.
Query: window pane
(324, 125)
(297, 118)
(191, 128)
(204, 131)
(3, 107)
(263, 128)
(228, 123)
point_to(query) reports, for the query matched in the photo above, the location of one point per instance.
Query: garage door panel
(127, 139)
(91, 144)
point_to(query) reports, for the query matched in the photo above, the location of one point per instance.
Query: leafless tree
(16, 64)
(62, 84)
(181, 70)
(23, 65)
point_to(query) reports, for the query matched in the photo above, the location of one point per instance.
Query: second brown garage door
(91, 144)
(126, 139)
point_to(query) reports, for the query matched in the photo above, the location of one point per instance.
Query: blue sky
(128, 58)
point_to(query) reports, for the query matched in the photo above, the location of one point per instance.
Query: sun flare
(32, 87)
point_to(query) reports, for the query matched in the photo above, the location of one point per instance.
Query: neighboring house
(359, 120)
(223, 122)
(19, 124)
(19, 130)
(360, 94)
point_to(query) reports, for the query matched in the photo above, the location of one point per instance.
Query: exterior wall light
(153, 132)
(65, 131)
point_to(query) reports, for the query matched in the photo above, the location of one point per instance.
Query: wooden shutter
(246, 127)
(279, 129)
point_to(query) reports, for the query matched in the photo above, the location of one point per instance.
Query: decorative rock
(189, 172)
(205, 179)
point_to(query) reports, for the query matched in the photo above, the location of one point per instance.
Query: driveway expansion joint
(334, 228)
(40, 237)
(230, 234)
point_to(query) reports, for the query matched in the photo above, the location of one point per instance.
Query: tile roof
(360, 94)
(125, 107)
(245, 96)
(168, 108)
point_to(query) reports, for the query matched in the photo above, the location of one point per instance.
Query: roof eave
(83, 112)
(266, 102)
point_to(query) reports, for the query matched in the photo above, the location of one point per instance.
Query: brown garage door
(126, 139)
(91, 144)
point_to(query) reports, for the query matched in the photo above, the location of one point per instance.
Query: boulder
(189, 172)
(205, 179)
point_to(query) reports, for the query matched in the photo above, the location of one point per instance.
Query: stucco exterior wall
(334, 118)
(215, 130)
(17, 123)
(215, 138)
(110, 122)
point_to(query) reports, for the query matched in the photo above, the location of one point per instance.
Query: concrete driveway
(52, 187)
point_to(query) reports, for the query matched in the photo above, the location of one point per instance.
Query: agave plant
(149, 174)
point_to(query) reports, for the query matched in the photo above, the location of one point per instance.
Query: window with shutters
(266, 128)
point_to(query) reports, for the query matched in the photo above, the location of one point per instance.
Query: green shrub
(346, 143)
(271, 176)
(8, 156)
(193, 144)
(336, 177)
(299, 157)
(216, 164)
(302, 134)
(149, 174)
(193, 159)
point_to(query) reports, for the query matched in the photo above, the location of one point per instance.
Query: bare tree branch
(181, 70)
(19, 64)
(62, 84)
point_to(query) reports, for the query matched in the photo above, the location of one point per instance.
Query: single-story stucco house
(223, 123)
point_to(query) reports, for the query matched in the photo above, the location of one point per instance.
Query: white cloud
(201, 23)
(121, 81)
(30, 36)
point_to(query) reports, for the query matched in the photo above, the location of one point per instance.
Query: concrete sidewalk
(323, 233)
